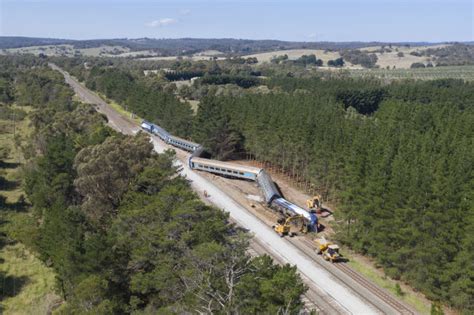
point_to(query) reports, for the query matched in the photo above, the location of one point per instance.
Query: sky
(298, 20)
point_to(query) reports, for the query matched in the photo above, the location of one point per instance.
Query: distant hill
(355, 54)
(18, 42)
(187, 46)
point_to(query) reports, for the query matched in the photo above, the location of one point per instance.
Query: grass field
(385, 59)
(453, 72)
(27, 285)
(295, 54)
(410, 297)
(69, 50)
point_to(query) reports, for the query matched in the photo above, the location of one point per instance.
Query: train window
(235, 172)
(241, 173)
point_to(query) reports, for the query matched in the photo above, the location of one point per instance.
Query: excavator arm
(284, 227)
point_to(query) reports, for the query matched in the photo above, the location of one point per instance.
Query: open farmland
(454, 72)
(69, 50)
(295, 54)
(386, 59)
(391, 59)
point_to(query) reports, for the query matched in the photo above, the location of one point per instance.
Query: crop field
(454, 72)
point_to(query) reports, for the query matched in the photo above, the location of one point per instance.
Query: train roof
(237, 167)
(291, 206)
(194, 144)
(268, 186)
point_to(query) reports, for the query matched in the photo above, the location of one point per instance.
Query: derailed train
(270, 193)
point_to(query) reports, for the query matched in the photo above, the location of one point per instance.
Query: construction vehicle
(283, 226)
(314, 203)
(328, 250)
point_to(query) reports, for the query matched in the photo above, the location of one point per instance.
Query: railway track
(374, 289)
(314, 299)
(321, 302)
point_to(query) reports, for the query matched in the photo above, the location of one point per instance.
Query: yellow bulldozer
(314, 203)
(283, 226)
(328, 250)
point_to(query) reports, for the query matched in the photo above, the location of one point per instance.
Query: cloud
(162, 22)
(184, 12)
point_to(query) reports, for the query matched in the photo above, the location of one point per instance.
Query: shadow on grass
(9, 165)
(11, 286)
(7, 185)
(19, 206)
(4, 239)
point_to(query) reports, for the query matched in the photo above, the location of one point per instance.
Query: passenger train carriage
(270, 193)
(224, 168)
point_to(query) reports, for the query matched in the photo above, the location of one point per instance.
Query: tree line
(122, 230)
(397, 160)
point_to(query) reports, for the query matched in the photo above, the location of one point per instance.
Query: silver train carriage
(183, 144)
(270, 192)
(160, 132)
(294, 209)
(268, 187)
(224, 168)
(147, 126)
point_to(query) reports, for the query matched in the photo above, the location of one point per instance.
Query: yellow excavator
(314, 203)
(283, 226)
(328, 250)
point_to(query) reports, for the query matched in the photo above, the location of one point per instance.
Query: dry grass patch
(295, 54)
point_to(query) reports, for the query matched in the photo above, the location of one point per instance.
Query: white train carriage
(147, 126)
(183, 144)
(311, 217)
(270, 192)
(223, 168)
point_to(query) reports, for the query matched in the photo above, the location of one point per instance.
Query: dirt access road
(327, 291)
